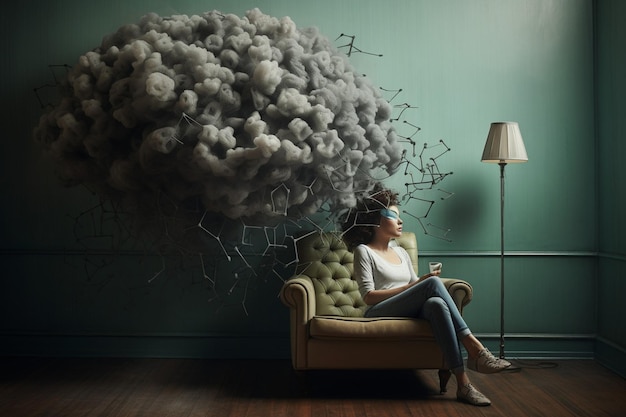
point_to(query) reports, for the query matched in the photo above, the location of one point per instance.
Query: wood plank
(35, 387)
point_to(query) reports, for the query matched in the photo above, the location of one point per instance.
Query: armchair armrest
(298, 294)
(460, 291)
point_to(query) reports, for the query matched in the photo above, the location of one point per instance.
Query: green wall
(463, 64)
(611, 134)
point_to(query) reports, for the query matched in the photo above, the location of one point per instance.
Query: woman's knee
(439, 285)
(435, 305)
(435, 285)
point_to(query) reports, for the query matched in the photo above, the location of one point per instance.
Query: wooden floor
(32, 387)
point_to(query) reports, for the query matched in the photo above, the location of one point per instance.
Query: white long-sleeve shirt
(372, 272)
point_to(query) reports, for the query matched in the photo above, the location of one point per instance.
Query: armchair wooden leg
(444, 377)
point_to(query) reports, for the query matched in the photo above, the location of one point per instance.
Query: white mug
(434, 266)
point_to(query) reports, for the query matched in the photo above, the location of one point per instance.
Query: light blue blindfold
(390, 214)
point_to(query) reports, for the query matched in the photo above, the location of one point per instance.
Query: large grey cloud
(246, 117)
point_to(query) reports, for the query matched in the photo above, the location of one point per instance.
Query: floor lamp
(504, 145)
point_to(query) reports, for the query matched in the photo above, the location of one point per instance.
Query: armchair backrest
(326, 260)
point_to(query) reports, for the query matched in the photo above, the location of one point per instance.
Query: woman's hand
(422, 278)
(430, 274)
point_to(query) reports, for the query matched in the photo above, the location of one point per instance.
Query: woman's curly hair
(361, 221)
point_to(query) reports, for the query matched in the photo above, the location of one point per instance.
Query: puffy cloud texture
(223, 114)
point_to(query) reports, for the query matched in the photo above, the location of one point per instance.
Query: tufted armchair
(328, 330)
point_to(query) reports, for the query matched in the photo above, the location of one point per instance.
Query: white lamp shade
(504, 144)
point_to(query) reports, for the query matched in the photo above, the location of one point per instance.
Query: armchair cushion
(389, 328)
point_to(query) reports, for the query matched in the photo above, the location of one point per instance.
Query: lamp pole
(502, 165)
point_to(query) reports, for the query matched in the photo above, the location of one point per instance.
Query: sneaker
(468, 394)
(486, 363)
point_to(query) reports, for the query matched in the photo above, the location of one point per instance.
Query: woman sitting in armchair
(391, 288)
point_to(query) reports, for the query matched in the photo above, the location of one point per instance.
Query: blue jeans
(429, 300)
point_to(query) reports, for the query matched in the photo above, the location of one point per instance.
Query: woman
(390, 287)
